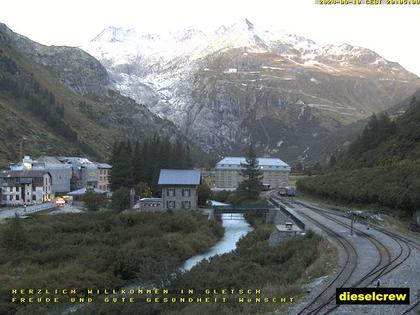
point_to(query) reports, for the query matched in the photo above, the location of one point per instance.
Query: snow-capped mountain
(240, 83)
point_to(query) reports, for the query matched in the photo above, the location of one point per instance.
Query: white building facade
(25, 187)
(227, 172)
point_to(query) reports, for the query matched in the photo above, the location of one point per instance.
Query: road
(21, 211)
(364, 257)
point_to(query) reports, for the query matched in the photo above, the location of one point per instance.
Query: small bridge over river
(263, 210)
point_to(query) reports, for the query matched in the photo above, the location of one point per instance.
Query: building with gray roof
(227, 172)
(179, 188)
(24, 187)
(61, 173)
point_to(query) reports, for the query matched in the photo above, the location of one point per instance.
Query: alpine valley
(238, 84)
(220, 90)
(56, 100)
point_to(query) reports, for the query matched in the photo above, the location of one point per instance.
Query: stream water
(235, 227)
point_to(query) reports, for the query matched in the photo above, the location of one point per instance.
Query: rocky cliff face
(78, 86)
(241, 84)
(72, 66)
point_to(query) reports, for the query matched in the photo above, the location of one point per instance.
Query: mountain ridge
(64, 102)
(252, 76)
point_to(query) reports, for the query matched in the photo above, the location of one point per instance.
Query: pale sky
(390, 30)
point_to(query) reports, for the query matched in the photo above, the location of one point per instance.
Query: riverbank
(279, 274)
(98, 250)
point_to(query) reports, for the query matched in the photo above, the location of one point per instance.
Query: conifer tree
(251, 186)
(122, 167)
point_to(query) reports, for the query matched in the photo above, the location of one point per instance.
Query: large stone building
(69, 173)
(87, 174)
(25, 187)
(227, 172)
(60, 173)
(84, 172)
(104, 170)
(179, 188)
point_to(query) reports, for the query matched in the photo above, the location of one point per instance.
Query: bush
(143, 190)
(98, 250)
(93, 201)
(221, 195)
(121, 199)
(392, 186)
(14, 237)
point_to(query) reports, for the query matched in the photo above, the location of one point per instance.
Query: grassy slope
(386, 173)
(110, 117)
(19, 122)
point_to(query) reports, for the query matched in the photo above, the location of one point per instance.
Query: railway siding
(379, 253)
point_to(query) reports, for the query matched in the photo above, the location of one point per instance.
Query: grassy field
(97, 250)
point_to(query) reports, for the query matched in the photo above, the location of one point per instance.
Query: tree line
(382, 166)
(134, 163)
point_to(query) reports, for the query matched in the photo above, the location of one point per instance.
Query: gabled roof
(83, 191)
(261, 161)
(23, 173)
(103, 165)
(179, 177)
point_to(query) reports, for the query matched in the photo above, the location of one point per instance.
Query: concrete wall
(277, 237)
(151, 204)
(60, 178)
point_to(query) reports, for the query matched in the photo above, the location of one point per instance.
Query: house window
(17, 197)
(186, 192)
(170, 192)
(170, 204)
(186, 205)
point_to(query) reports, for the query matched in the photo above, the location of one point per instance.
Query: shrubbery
(98, 249)
(254, 265)
(393, 186)
(93, 201)
(382, 166)
(120, 199)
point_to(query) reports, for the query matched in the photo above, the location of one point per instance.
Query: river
(234, 230)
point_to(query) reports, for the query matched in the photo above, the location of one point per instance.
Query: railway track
(385, 264)
(324, 301)
(402, 241)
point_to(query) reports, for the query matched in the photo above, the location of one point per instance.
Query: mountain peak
(249, 24)
(244, 24)
(114, 34)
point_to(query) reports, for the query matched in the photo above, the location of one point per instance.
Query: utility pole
(21, 148)
(353, 219)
